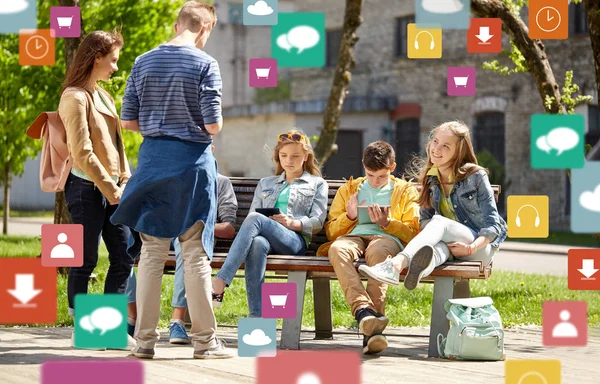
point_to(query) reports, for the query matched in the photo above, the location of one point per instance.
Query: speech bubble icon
(86, 324)
(106, 318)
(542, 144)
(283, 42)
(303, 37)
(563, 139)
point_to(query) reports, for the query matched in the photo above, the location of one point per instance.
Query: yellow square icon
(423, 43)
(528, 216)
(532, 372)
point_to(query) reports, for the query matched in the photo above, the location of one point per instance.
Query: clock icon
(37, 47)
(548, 19)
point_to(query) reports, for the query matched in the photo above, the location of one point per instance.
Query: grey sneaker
(142, 353)
(419, 264)
(219, 351)
(384, 272)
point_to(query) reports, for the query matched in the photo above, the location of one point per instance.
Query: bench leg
(442, 290)
(322, 298)
(290, 334)
(462, 290)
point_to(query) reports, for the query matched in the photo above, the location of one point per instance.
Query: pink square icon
(92, 372)
(65, 21)
(62, 245)
(564, 324)
(262, 73)
(461, 81)
(279, 301)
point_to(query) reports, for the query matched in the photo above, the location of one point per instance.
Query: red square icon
(584, 269)
(315, 367)
(27, 291)
(62, 245)
(564, 324)
(484, 35)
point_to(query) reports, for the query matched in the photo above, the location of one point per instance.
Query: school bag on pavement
(475, 331)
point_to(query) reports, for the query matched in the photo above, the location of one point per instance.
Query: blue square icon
(585, 198)
(450, 14)
(260, 12)
(16, 15)
(257, 337)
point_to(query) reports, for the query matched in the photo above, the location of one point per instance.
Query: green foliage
(515, 56)
(282, 92)
(567, 99)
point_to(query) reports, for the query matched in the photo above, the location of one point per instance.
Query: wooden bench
(450, 279)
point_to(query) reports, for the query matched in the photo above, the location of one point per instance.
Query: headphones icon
(537, 216)
(535, 374)
(431, 46)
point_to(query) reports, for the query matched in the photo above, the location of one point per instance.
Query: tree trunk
(592, 9)
(341, 81)
(6, 214)
(61, 213)
(533, 50)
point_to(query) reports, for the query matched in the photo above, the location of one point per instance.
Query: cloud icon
(442, 6)
(256, 338)
(301, 37)
(13, 6)
(260, 8)
(591, 200)
(561, 138)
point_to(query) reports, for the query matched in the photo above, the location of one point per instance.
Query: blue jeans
(258, 236)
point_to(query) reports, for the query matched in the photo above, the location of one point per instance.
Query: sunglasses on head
(298, 137)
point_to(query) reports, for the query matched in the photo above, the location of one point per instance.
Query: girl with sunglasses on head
(300, 194)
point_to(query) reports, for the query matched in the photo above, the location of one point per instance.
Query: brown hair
(310, 165)
(96, 43)
(378, 155)
(195, 14)
(463, 164)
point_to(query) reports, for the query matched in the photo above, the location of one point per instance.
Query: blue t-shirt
(174, 91)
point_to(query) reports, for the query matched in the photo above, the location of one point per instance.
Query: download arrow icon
(484, 35)
(587, 268)
(24, 290)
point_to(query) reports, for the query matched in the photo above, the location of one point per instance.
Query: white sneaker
(384, 272)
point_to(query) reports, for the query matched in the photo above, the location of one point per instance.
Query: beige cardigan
(91, 139)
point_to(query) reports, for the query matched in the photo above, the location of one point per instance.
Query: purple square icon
(263, 73)
(92, 372)
(461, 81)
(279, 301)
(65, 21)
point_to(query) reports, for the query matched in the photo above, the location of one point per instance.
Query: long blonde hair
(464, 163)
(310, 165)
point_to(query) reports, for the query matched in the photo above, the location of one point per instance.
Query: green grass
(517, 296)
(566, 238)
(14, 213)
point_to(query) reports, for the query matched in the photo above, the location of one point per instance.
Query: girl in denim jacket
(300, 193)
(458, 214)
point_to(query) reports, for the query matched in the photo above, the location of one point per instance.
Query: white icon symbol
(533, 373)
(591, 200)
(545, 14)
(308, 378)
(40, 42)
(431, 45)
(484, 35)
(24, 290)
(564, 328)
(537, 216)
(301, 37)
(587, 269)
(103, 318)
(442, 6)
(263, 72)
(64, 22)
(15, 6)
(561, 139)
(256, 338)
(278, 300)
(260, 8)
(461, 81)
(62, 251)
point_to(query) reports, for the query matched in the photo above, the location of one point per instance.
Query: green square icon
(100, 321)
(557, 141)
(298, 40)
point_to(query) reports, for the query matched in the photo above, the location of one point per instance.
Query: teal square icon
(557, 141)
(100, 321)
(257, 337)
(260, 12)
(17, 14)
(298, 40)
(449, 14)
(585, 198)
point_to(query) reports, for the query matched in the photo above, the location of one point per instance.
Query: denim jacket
(307, 201)
(474, 206)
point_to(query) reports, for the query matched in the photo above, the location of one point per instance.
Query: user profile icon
(532, 372)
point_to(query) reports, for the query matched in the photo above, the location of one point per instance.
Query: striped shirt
(174, 91)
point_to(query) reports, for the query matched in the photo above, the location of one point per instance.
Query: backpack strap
(441, 345)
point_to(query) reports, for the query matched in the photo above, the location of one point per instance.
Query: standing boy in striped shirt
(173, 98)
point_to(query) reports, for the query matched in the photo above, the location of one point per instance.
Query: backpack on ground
(475, 331)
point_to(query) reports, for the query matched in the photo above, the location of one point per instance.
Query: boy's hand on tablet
(352, 206)
(379, 215)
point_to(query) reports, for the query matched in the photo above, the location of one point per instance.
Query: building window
(333, 42)
(577, 19)
(489, 134)
(401, 34)
(592, 135)
(407, 143)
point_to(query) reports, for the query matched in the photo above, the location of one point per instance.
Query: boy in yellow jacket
(372, 217)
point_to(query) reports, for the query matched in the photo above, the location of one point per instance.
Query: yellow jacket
(404, 221)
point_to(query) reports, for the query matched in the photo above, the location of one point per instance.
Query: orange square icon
(62, 245)
(549, 19)
(484, 35)
(584, 269)
(27, 291)
(36, 47)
